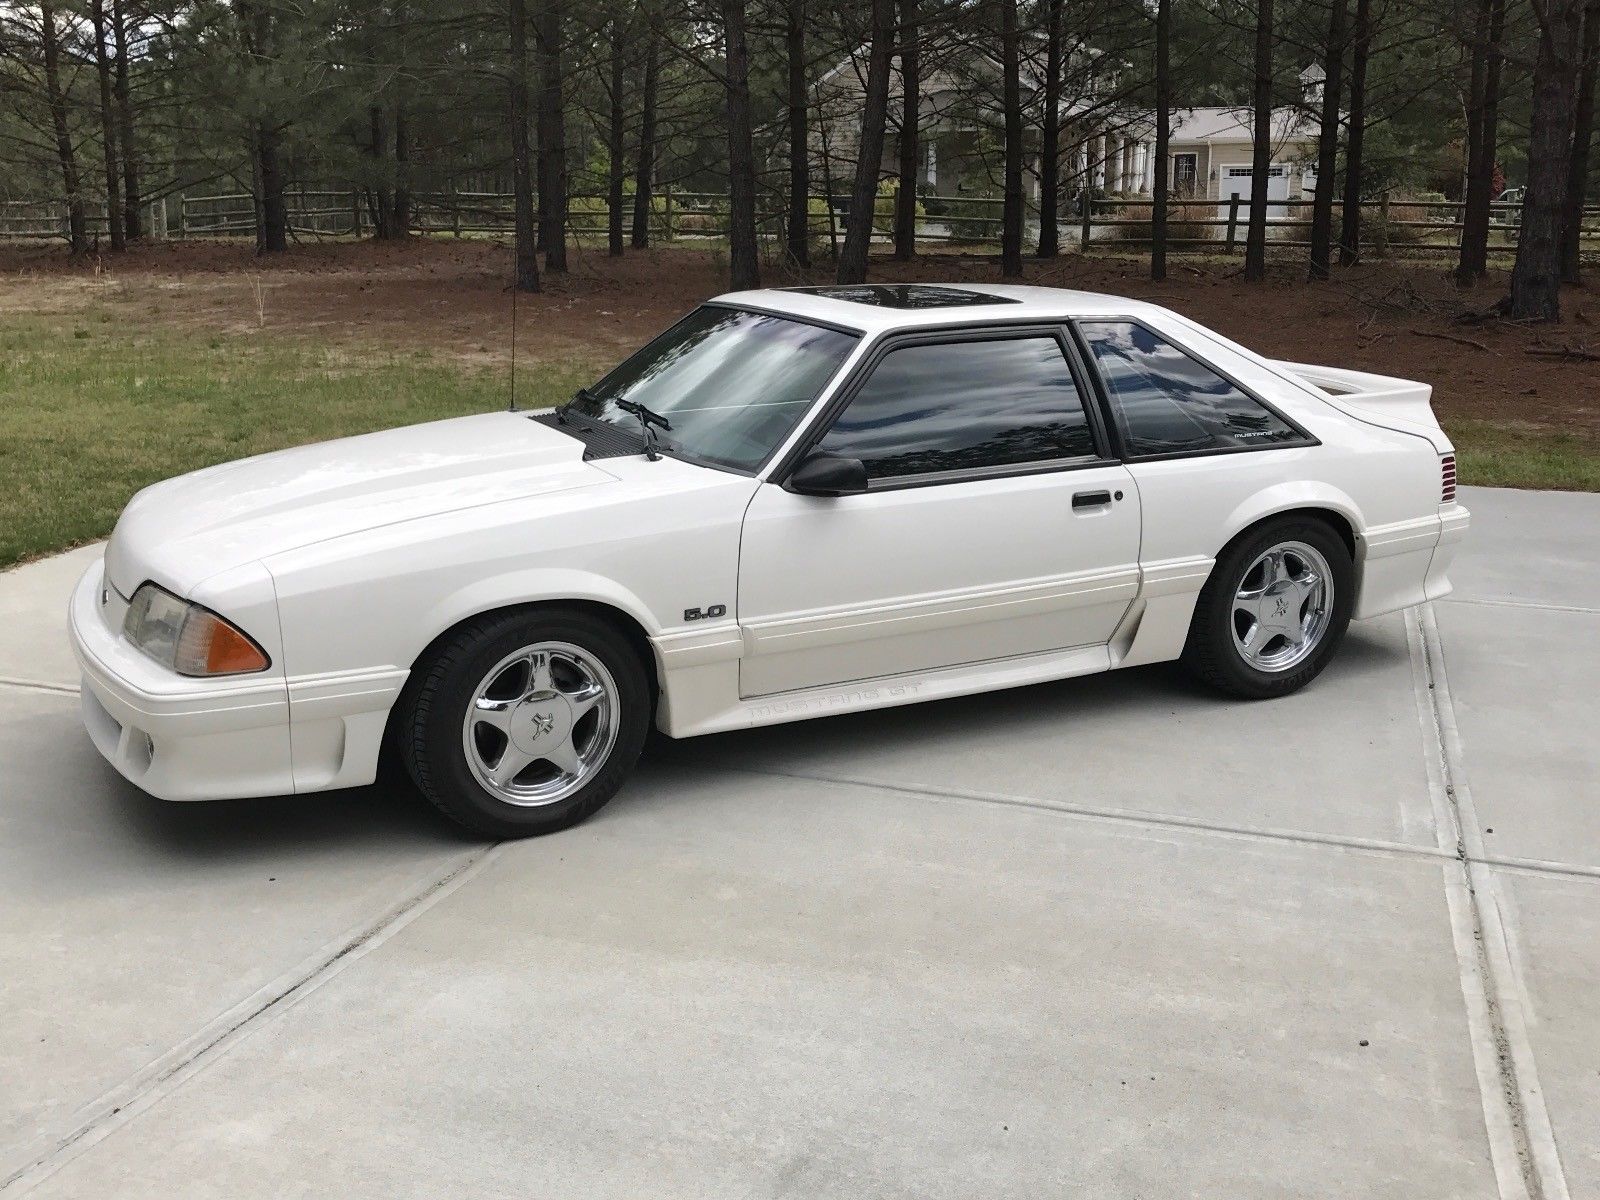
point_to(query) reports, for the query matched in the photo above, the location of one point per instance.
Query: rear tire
(1274, 609)
(525, 722)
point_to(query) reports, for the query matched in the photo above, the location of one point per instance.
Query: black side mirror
(821, 474)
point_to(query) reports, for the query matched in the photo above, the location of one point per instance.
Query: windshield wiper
(649, 420)
(561, 409)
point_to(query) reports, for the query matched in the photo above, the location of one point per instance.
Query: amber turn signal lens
(211, 646)
(231, 652)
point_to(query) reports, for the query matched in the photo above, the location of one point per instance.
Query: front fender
(528, 586)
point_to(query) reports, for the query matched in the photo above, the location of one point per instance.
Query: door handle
(1090, 499)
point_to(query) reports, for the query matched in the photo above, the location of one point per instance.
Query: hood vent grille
(599, 439)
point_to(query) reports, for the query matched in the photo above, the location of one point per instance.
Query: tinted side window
(1168, 403)
(962, 406)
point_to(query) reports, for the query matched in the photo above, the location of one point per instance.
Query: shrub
(970, 218)
(1184, 219)
(707, 216)
(883, 207)
(1422, 206)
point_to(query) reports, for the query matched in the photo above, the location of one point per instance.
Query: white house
(1106, 147)
(1212, 151)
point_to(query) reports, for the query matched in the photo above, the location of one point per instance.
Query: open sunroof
(904, 295)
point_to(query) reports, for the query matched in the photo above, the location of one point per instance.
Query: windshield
(733, 384)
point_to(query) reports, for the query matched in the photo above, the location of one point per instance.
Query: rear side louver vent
(1447, 472)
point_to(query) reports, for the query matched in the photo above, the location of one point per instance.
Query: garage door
(1237, 179)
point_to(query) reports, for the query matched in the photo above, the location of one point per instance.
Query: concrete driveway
(1112, 937)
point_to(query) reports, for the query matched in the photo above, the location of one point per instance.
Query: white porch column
(1149, 167)
(1124, 164)
(1080, 163)
(1100, 160)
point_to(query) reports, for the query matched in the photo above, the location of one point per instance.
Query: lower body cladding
(186, 739)
(1396, 566)
(701, 670)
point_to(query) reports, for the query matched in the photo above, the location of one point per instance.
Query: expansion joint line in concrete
(103, 1117)
(1534, 605)
(38, 685)
(1379, 847)
(1522, 1142)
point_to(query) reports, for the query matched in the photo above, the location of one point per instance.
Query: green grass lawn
(1489, 455)
(91, 412)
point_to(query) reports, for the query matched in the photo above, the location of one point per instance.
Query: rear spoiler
(1401, 404)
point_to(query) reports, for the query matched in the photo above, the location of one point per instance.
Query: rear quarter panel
(1383, 482)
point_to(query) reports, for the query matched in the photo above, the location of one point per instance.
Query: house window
(1185, 171)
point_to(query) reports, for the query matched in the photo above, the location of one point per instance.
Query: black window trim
(1114, 418)
(822, 421)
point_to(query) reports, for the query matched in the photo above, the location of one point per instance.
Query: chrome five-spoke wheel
(541, 723)
(1281, 606)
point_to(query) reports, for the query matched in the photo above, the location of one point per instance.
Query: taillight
(1447, 479)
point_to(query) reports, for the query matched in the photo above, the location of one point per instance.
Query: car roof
(875, 308)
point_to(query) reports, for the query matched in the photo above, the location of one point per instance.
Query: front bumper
(175, 737)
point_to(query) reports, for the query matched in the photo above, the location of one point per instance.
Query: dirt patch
(450, 297)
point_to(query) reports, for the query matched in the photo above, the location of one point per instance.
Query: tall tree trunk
(108, 127)
(869, 152)
(1483, 133)
(132, 201)
(399, 215)
(1158, 202)
(616, 128)
(1050, 150)
(1328, 140)
(1350, 216)
(1582, 136)
(77, 226)
(525, 276)
(1011, 104)
(644, 171)
(798, 228)
(378, 150)
(1255, 238)
(400, 212)
(1536, 278)
(552, 137)
(905, 197)
(272, 223)
(744, 263)
(272, 212)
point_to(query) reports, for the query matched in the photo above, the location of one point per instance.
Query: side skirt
(700, 671)
(684, 717)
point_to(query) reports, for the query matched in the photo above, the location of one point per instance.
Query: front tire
(1274, 609)
(527, 722)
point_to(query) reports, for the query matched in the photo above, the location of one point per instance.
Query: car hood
(186, 529)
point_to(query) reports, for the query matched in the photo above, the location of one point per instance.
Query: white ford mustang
(792, 503)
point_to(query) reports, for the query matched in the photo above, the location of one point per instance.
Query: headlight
(187, 638)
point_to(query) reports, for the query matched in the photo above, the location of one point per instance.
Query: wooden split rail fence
(1390, 225)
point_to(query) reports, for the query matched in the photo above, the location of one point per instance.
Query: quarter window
(963, 406)
(1169, 403)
